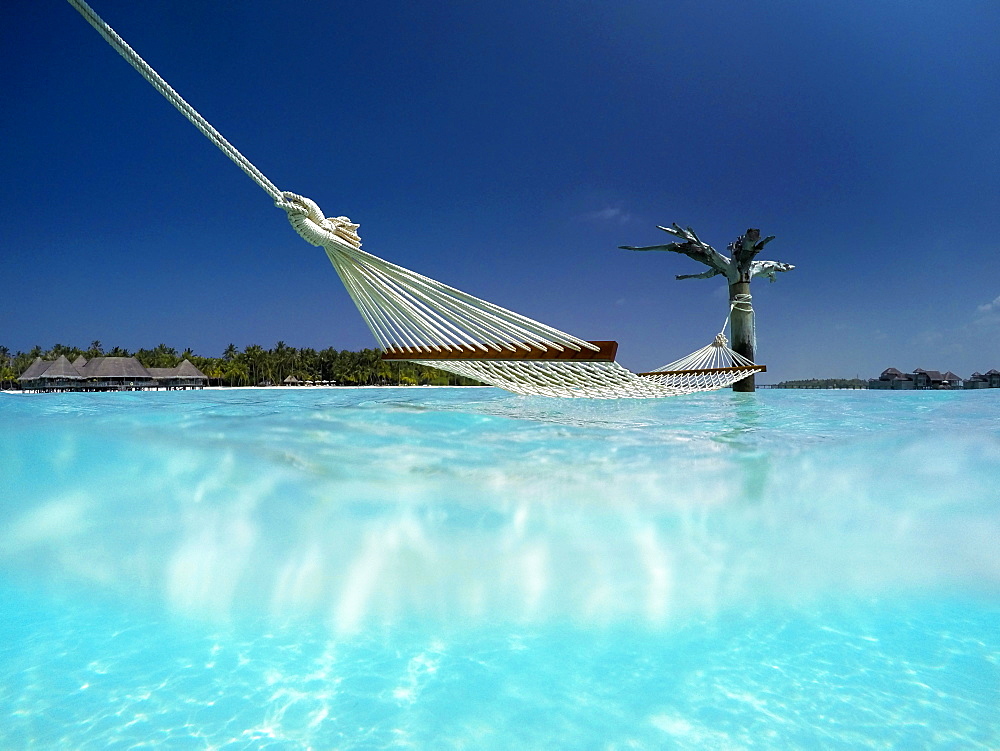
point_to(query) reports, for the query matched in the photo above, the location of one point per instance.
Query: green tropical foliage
(254, 366)
(823, 383)
(7, 373)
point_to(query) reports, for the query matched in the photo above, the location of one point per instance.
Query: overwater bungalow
(892, 379)
(933, 379)
(184, 376)
(988, 380)
(107, 374)
(60, 375)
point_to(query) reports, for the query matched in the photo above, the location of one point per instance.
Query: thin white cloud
(990, 307)
(721, 292)
(610, 214)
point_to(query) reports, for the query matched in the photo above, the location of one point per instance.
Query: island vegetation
(253, 366)
(823, 383)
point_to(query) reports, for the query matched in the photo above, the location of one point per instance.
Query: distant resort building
(987, 380)
(921, 379)
(107, 374)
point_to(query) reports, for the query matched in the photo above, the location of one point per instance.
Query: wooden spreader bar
(606, 353)
(700, 371)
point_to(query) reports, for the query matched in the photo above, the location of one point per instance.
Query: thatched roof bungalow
(184, 376)
(118, 370)
(108, 374)
(50, 375)
(34, 370)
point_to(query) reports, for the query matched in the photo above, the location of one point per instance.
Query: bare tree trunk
(742, 327)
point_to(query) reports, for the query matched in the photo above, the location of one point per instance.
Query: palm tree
(328, 363)
(308, 361)
(255, 354)
(213, 370)
(61, 349)
(349, 369)
(7, 374)
(235, 372)
(164, 356)
(282, 358)
(6, 367)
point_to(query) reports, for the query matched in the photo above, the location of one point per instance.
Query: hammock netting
(416, 318)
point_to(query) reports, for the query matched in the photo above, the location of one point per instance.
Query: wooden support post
(742, 329)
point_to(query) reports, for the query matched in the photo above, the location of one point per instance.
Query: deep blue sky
(507, 148)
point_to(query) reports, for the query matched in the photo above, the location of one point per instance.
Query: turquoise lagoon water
(468, 569)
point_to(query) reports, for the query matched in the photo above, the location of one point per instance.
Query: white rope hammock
(419, 319)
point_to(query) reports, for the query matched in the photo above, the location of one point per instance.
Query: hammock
(419, 319)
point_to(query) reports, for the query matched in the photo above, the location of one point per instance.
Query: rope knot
(307, 219)
(742, 302)
(720, 340)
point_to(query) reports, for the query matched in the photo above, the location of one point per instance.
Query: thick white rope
(744, 303)
(174, 98)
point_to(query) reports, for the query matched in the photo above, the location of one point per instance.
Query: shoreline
(18, 392)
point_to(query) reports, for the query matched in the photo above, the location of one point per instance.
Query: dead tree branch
(741, 268)
(692, 247)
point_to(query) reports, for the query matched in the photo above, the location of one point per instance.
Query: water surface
(464, 568)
